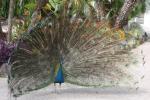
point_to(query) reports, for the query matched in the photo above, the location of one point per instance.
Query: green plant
(20, 6)
(4, 8)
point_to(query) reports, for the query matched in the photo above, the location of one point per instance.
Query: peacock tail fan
(89, 52)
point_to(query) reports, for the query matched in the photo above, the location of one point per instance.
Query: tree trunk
(100, 10)
(10, 16)
(124, 12)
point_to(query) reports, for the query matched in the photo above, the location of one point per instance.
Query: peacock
(64, 49)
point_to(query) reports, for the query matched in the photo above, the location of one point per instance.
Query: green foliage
(30, 6)
(113, 7)
(138, 9)
(134, 35)
(20, 6)
(82, 7)
(4, 8)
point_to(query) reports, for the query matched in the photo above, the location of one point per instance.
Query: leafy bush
(134, 35)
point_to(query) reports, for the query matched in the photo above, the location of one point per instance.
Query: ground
(71, 92)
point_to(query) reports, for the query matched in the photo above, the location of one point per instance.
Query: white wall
(146, 25)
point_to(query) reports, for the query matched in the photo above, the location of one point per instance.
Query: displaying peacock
(60, 49)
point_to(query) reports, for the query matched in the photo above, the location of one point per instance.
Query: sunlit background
(146, 25)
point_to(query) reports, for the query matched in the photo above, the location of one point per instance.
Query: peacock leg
(59, 88)
(55, 88)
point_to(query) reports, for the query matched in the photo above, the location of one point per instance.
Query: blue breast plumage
(59, 78)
